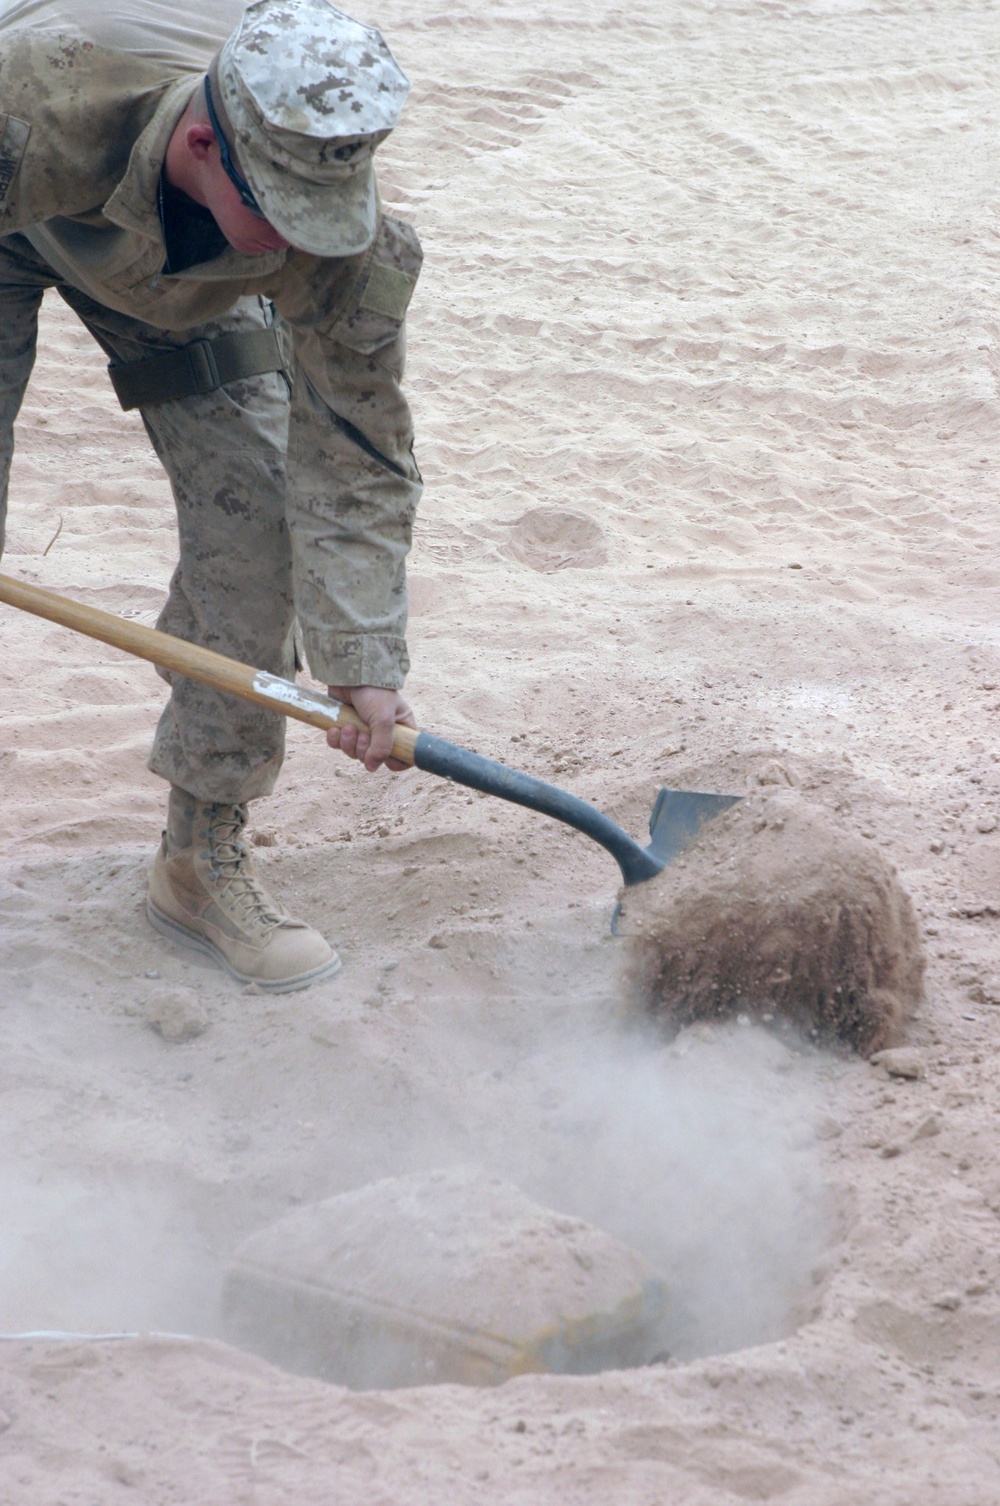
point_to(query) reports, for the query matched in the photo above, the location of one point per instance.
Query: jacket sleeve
(353, 484)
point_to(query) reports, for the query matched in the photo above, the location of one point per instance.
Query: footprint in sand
(555, 538)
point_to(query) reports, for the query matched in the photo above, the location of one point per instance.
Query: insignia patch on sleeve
(14, 135)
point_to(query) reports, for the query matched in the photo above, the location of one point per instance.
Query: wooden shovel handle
(196, 663)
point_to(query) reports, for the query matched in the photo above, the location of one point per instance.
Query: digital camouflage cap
(306, 95)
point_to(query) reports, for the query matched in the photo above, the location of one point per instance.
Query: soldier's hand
(382, 710)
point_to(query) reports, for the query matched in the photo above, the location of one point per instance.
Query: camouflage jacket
(84, 130)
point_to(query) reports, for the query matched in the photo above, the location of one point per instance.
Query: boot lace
(229, 864)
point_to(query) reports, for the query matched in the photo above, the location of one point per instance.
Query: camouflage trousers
(224, 454)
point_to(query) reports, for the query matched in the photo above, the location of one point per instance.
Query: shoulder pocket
(378, 305)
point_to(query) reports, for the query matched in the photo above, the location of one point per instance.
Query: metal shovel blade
(677, 818)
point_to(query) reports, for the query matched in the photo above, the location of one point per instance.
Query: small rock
(265, 836)
(900, 1061)
(774, 772)
(973, 909)
(949, 1302)
(175, 1014)
(890, 1152)
(829, 1128)
(927, 1128)
(937, 846)
(985, 991)
(438, 942)
(986, 824)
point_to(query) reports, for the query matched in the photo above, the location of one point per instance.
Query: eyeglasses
(228, 166)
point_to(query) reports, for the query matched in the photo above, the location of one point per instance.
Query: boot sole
(174, 931)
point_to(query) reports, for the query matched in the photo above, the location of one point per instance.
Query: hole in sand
(604, 1197)
(656, 1202)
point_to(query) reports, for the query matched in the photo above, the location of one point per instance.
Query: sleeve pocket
(377, 310)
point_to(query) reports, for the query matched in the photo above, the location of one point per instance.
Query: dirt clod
(777, 909)
(175, 1014)
(902, 1062)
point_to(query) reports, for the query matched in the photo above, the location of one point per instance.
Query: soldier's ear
(199, 138)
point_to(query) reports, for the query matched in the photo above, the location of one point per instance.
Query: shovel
(677, 815)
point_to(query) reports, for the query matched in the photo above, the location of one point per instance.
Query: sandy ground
(704, 364)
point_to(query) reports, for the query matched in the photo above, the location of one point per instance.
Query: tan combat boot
(205, 893)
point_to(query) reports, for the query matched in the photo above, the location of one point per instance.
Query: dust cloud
(699, 1153)
(86, 1257)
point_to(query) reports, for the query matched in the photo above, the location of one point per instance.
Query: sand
(703, 362)
(776, 911)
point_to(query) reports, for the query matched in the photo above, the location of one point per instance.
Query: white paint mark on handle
(287, 694)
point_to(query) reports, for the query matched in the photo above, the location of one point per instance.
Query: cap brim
(323, 219)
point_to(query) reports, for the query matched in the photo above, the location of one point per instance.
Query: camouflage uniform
(284, 507)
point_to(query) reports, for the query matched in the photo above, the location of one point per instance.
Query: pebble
(901, 1061)
(175, 1014)
(984, 991)
(928, 1127)
(949, 1302)
(986, 824)
(777, 773)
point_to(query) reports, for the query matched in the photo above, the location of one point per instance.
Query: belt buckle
(202, 366)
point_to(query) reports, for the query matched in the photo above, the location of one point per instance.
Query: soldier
(208, 207)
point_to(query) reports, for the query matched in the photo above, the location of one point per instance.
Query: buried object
(777, 910)
(677, 815)
(445, 1276)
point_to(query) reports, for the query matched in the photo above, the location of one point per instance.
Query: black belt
(192, 370)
